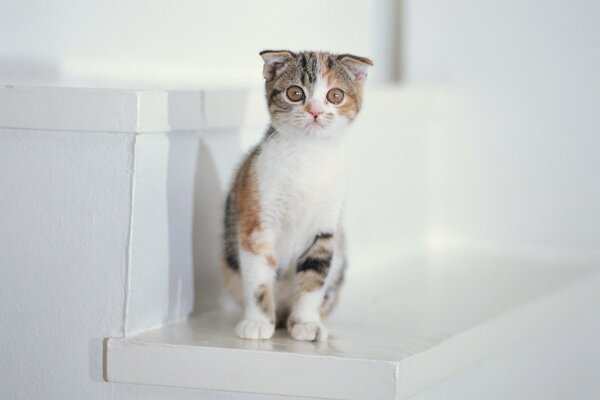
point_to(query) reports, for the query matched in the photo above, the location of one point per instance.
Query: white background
(182, 43)
(525, 131)
(516, 169)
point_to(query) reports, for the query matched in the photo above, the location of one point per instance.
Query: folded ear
(356, 66)
(274, 59)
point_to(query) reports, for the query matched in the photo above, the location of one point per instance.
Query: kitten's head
(313, 92)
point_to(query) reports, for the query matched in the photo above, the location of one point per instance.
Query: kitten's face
(313, 92)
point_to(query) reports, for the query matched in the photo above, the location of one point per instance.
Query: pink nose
(315, 112)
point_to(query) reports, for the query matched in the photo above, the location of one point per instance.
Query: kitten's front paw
(308, 331)
(249, 329)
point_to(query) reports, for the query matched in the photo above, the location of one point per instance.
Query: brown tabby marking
(303, 69)
(311, 281)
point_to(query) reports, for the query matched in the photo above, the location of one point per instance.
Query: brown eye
(295, 93)
(335, 96)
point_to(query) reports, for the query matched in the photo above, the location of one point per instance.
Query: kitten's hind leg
(258, 274)
(304, 322)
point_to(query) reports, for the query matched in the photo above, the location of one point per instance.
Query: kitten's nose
(315, 113)
(314, 110)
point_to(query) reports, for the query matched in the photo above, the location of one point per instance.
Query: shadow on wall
(180, 205)
(24, 71)
(178, 202)
(209, 195)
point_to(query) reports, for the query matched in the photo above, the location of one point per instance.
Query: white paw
(249, 329)
(309, 331)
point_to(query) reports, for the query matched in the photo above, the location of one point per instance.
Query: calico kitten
(284, 256)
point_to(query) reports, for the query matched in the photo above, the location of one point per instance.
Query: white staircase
(110, 205)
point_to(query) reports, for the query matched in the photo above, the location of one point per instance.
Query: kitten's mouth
(316, 123)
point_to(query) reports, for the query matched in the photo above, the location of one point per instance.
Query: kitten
(284, 254)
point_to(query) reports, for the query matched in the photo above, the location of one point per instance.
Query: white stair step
(432, 320)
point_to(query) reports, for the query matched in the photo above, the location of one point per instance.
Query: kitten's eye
(295, 93)
(335, 96)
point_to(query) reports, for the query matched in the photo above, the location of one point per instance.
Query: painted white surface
(516, 170)
(99, 110)
(45, 173)
(161, 267)
(563, 364)
(158, 44)
(64, 224)
(418, 331)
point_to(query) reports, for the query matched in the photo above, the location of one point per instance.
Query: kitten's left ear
(274, 59)
(357, 66)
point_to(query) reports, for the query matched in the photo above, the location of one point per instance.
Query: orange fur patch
(329, 77)
(350, 106)
(266, 301)
(248, 207)
(322, 57)
(271, 260)
(247, 203)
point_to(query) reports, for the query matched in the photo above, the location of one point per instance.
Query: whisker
(280, 129)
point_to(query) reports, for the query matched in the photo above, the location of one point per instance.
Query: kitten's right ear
(274, 59)
(357, 66)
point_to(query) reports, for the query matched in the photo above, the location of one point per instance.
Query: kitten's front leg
(257, 266)
(304, 322)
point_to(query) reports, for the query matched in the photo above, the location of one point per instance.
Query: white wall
(184, 43)
(63, 248)
(524, 129)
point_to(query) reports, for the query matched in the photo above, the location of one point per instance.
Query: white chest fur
(301, 188)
